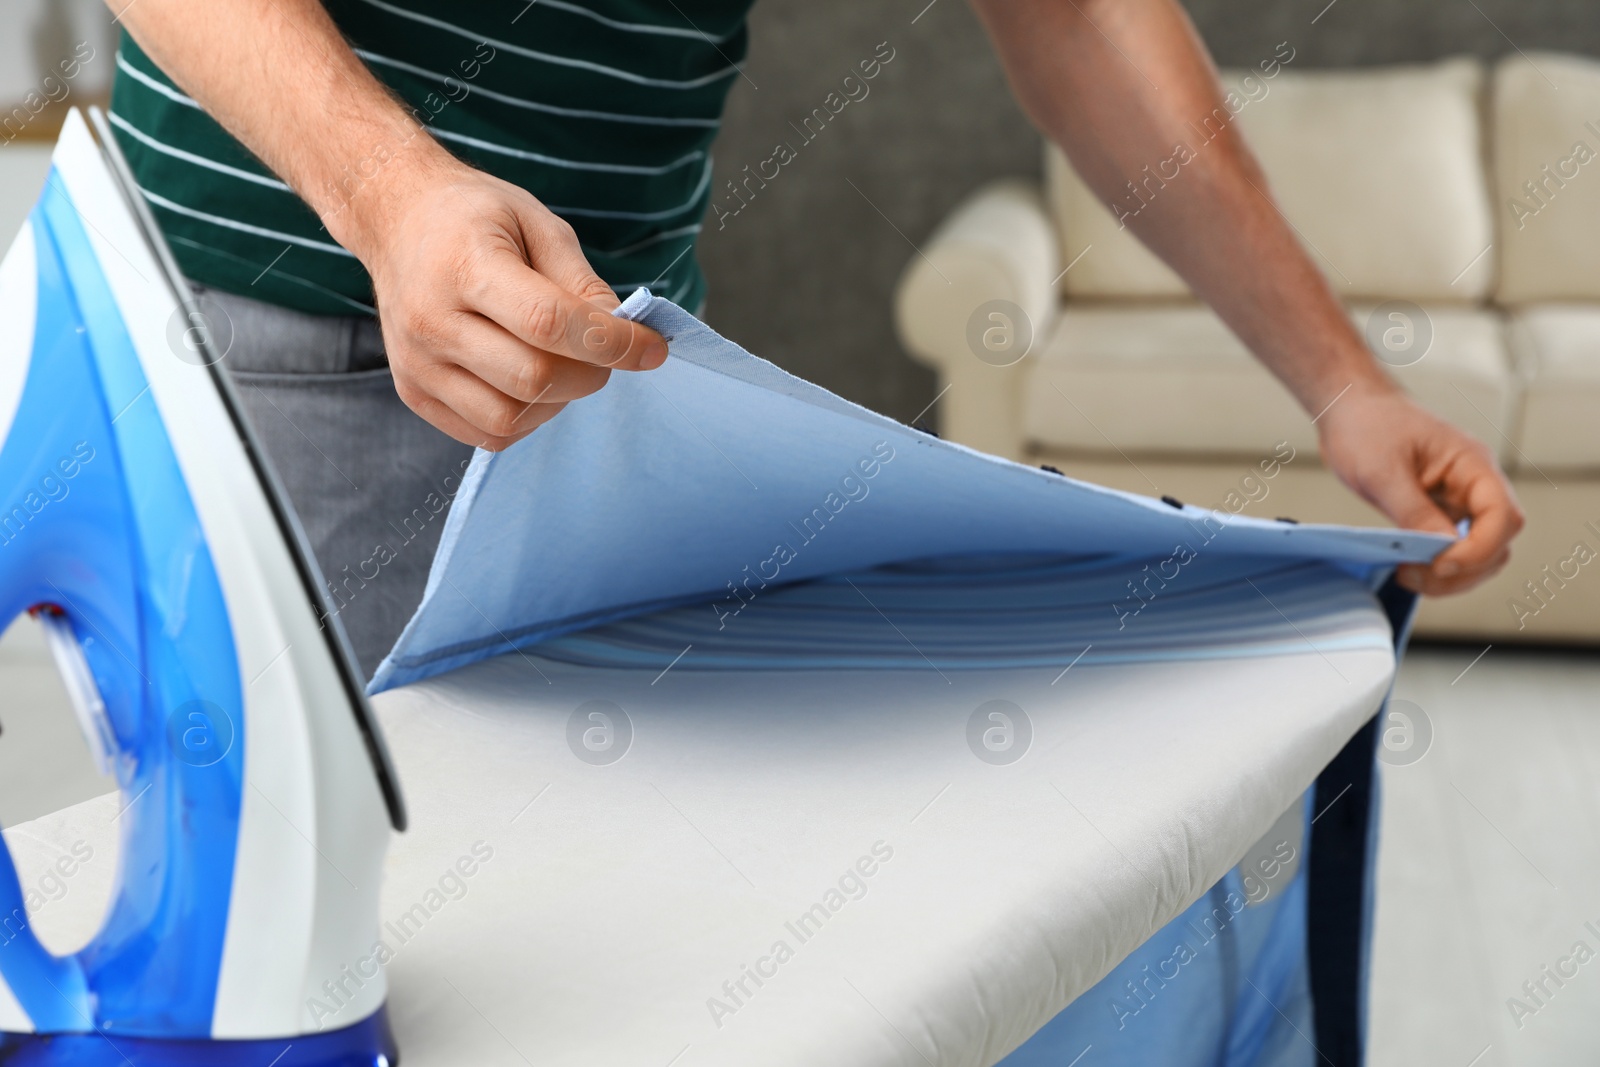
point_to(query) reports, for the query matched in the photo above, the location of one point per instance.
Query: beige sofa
(1457, 211)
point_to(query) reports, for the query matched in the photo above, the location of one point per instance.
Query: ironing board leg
(1342, 866)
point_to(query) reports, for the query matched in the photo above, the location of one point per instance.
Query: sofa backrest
(1381, 172)
(1546, 134)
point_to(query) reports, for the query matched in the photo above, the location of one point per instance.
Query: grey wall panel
(1352, 33)
(804, 274)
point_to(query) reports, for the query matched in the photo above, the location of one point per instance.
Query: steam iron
(143, 527)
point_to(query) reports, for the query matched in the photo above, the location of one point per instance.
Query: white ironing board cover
(618, 899)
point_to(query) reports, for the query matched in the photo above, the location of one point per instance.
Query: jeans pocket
(371, 482)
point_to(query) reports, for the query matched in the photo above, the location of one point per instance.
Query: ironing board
(609, 904)
(667, 814)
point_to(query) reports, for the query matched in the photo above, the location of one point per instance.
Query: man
(487, 176)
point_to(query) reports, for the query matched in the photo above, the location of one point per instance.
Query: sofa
(1454, 206)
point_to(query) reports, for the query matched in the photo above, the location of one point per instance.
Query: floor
(1489, 874)
(1490, 865)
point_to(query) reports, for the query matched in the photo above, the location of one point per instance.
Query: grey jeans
(370, 480)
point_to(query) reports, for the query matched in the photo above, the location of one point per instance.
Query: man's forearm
(278, 75)
(1118, 83)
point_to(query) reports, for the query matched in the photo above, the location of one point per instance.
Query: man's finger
(543, 315)
(1399, 495)
(495, 417)
(556, 253)
(1423, 578)
(439, 415)
(1473, 487)
(520, 372)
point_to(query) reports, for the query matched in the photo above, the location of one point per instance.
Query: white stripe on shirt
(638, 27)
(244, 227)
(665, 235)
(568, 164)
(562, 61)
(276, 272)
(189, 157)
(165, 90)
(642, 216)
(532, 105)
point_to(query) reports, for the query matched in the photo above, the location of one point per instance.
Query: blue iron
(142, 525)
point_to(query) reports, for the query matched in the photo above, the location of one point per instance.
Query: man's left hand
(1425, 475)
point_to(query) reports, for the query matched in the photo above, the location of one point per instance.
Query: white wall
(23, 166)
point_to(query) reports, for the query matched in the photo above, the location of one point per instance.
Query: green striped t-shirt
(605, 110)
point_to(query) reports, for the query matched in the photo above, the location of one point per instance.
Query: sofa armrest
(998, 245)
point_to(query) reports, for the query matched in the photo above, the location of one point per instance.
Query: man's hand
(492, 318)
(1425, 475)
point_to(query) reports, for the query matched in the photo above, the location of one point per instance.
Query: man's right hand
(492, 317)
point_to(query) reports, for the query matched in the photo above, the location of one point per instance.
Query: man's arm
(492, 317)
(1115, 84)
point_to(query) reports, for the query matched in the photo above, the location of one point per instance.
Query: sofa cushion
(1558, 355)
(1175, 381)
(1547, 177)
(1380, 171)
(1466, 374)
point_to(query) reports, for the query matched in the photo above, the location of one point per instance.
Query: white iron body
(258, 795)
